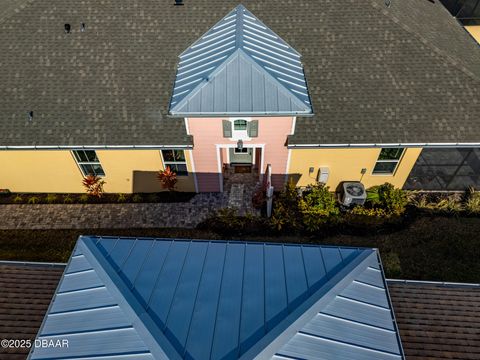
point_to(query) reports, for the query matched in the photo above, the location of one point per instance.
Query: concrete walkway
(111, 216)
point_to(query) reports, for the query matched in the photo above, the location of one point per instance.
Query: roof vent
(30, 115)
(82, 27)
(178, 2)
(67, 28)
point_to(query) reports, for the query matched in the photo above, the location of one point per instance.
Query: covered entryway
(243, 156)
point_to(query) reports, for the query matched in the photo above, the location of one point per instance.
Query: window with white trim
(240, 129)
(239, 125)
(88, 162)
(387, 161)
(175, 160)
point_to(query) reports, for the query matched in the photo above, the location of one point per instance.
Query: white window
(240, 125)
(88, 162)
(388, 161)
(175, 160)
(240, 129)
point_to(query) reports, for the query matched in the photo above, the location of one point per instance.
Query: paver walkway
(111, 216)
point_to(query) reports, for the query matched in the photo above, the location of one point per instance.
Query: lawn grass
(429, 248)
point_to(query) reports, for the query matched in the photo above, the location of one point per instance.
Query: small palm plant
(93, 185)
(168, 178)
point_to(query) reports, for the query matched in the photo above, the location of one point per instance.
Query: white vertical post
(269, 190)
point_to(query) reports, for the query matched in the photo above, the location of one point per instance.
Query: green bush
(317, 206)
(451, 203)
(18, 199)
(67, 199)
(364, 211)
(228, 222)
(51, 199)
(121, 198)
(434, 202)
(387, 197)
(286, 214)
(83, 199)
(472, 202)
(33, 200)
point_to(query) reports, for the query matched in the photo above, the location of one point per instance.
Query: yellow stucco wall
(56, 171)
(346, 165)
(474, 31)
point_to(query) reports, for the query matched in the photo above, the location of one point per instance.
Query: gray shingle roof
(407, 73)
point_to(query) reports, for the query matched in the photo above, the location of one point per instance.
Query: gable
(183, 299)
(89, 316)
(240, 66)
(357, 319)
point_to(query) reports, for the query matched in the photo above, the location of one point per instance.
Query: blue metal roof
(240, 67)
(184, 299)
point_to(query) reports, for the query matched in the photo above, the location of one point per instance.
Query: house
(373, 90)
(187, 299)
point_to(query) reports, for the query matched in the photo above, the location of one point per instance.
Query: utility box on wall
(323, 174)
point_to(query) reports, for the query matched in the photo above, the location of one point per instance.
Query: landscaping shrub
(286, 214)
(168, 178)
(33, 200)
(93, 185)
(51, 199)
(227, 222)
(439, 203)
(317, 207)
(451, 204)
(67, 199)
(388, 198)
(121, 198)
(18, 199)
(83, 199)
(472, 201)
(364, 211)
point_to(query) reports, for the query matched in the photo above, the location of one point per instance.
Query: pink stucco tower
(239, 88)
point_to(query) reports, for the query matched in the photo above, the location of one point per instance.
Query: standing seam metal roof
(183, 299)
(240, 66)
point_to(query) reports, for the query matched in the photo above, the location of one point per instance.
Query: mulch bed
(437, 248)
(108, 198)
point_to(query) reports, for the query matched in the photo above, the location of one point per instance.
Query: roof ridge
(268, 345)
(142, 322)
(456, 63)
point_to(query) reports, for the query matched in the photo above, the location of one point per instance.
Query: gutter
(239, 114)
(33, 264)
(383, 145)
(95, 147)
(438, 283)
